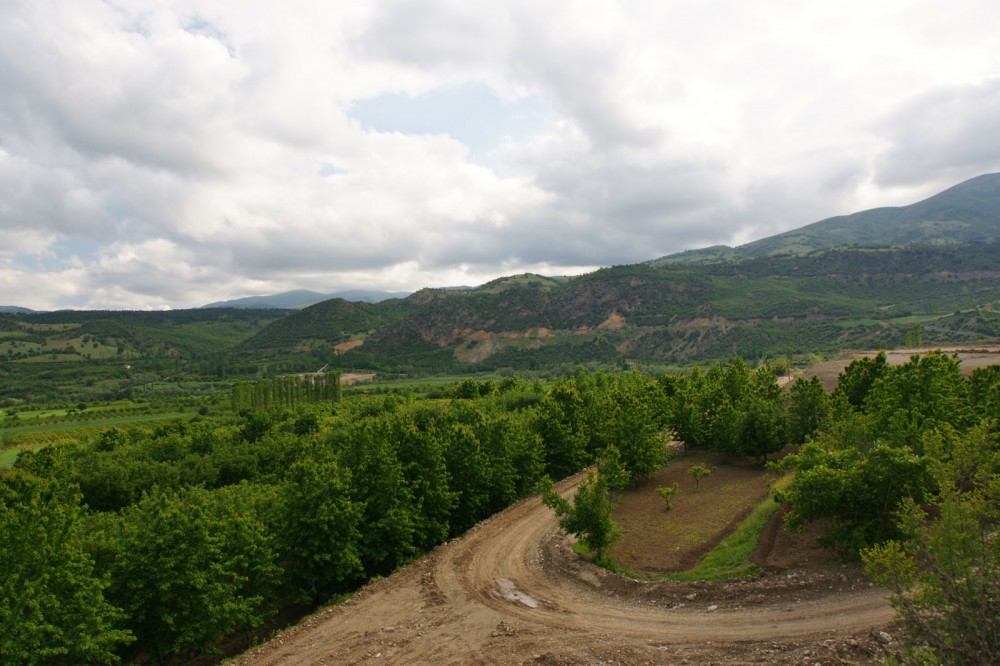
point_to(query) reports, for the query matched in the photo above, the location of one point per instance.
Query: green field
(8, 456)
(38, 433)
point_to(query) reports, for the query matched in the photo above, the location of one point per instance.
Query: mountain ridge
(968, 212)
(300, 298)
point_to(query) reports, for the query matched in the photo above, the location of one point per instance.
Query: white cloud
(946, 131)
(215, 149)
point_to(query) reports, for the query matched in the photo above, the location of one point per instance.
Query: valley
(206, 477)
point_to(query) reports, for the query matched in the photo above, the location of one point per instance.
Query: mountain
(331, 322)
(775, 305)
(301, 298)
(877, 278)
(966, 213)
(926, 273)
(13, 309)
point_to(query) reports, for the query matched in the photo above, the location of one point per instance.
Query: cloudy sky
(173, 153)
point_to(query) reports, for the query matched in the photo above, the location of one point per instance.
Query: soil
(349, 378)
(657, 541)
(513, 591)
(971, 356)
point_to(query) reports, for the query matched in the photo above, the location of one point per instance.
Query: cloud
(946, 132)
(168, 154)
(31, 193)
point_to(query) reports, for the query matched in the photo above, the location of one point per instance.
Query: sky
(167, 154)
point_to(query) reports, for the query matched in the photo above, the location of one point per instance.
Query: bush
(946, 579)
(667, 494)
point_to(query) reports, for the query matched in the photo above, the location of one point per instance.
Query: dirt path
(511, 591)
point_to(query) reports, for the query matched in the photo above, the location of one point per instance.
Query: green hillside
(90, 355)
(821, 302)
(327, 323)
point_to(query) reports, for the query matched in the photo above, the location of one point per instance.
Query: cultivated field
(972, 357)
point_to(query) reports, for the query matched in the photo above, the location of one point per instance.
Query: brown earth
(656, 541)
(349, 378)
(971, 356)
(349, 345)
(512, 591)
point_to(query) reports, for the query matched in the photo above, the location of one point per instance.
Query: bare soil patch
(658, 541)
(349, 378)
(349, 345)
(971, 356)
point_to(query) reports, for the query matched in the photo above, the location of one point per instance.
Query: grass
(40, 414)
(78, 426)
(9, 455)
(895, 321)
(731, 558)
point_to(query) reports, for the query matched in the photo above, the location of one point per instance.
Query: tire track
(511, 591)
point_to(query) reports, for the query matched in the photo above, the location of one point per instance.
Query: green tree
(984, 390)
(559, 422)
(52, 605)
(809, 410)
(859, 377)
(319, 527)
(667, 493)
(917, 396)
(858, 491)
(192, 568)
(914, 337)
(379, 485)
(516, 458)
(761, 427)
(589, 516)
(684, 415)
(630, 424)
(469, 471)
(945, 578)
(698, 472)
(422, 452)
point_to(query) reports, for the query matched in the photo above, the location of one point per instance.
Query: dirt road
(512, 591)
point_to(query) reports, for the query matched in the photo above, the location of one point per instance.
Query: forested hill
(45, 356)
(329, 323)
(772, 305)
(966, 213)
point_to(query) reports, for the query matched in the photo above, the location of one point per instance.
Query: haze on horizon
(170, 154)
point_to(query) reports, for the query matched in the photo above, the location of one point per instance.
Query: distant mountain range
(301, 298)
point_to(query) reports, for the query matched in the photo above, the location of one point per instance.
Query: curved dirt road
(511, 591)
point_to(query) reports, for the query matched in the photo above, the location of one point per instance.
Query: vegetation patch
(49, 432)
(9, 455)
